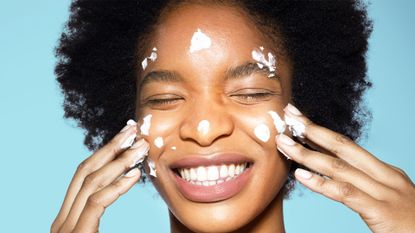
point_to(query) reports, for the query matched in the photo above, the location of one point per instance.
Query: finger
(343, 192)
(91, 164)
(99, 201)
(103, 177)
(344, 148)
(333, 167)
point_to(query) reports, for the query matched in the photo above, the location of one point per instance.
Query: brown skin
(381, 194)
(205, 93)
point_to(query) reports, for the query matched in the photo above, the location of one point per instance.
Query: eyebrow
(237, 72)
(160, 76)
(245, 70)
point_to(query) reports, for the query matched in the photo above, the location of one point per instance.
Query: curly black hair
(326, 42)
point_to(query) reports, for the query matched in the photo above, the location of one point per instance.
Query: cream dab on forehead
(262, 132)
(203, 127)
(199, 41)
(152, 57)
(152, 166)
(145, 127)
(278, 122)
(270, 62)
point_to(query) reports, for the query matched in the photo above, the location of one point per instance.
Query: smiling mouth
(211, 178)
(211, 175)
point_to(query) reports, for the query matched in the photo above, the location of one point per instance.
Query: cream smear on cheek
(159, 142)
(145, 127)
(262, 132)
(199, 41)
(203, 127)
(270, 62)
(152, 57)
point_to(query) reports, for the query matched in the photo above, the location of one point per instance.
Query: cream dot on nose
(203, 127)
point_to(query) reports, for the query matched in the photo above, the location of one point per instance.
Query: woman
(212, 87)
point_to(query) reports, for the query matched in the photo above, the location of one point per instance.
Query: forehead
(229, 28)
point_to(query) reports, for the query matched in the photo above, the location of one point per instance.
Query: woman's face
(217, 169)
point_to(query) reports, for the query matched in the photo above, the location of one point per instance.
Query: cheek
(261, 126)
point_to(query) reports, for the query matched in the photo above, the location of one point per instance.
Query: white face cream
(296, 127)
(199, 41)
(203, 127)
(270, 63)
(152, 166)
(145, 127)
(262, 132)
(152, 57)
(278, 122)
(159, 142)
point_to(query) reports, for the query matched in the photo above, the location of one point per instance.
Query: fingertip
(302, 174)
(133, 173)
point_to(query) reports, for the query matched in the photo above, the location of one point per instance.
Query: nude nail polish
(286, 140)
(131, 173)
(293, 110)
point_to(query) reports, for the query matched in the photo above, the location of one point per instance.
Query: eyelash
(156, 102)
(248, 98)
(253, 97)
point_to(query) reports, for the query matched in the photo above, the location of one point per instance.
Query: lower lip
(214, 193)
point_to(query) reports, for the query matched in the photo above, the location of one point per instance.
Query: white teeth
(193, 174)
(223, 171)
(231, 170)
(201, 174)
(211, 175)
(186, 174)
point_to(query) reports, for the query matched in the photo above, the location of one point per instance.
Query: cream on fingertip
(128, 141)
(131, 173)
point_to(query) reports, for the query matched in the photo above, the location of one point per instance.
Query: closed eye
(162, 101)
(252, 98)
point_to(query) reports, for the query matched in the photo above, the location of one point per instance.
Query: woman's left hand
(383, 195)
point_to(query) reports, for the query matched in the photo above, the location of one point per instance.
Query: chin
(223, 192)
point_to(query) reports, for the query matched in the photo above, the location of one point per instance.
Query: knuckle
(339, 165)
(94, 202)
(346, 190)
(54, 228)
(342, 139)
(321, 182)
(84, 167)
(92, 180)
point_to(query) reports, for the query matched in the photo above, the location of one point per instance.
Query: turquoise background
(40, 150)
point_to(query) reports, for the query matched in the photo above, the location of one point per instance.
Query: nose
(208, 122)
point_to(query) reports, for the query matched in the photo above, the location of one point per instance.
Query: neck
(271, 220)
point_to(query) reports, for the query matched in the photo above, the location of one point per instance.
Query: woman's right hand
(99, 181)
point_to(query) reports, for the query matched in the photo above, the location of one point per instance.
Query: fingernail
(128, 141)
(283, 153)
(131, 122)
(128, 125)
(132, 172)
(141, 153)
(293, 110)
(138, 143)
(286, 140)
(303, 173)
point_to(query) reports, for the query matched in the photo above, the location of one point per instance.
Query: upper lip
(196, 160)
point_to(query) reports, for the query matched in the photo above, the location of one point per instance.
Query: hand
(383, 195)
(99, 181)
